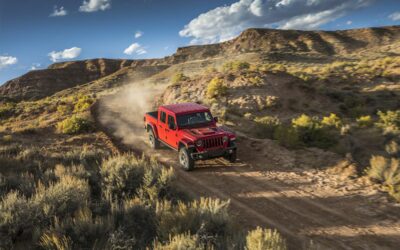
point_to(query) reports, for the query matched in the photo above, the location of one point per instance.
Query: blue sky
(36, 33)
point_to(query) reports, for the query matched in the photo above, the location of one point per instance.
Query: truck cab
(190, 129)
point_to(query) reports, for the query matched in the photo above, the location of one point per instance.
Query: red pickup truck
(190, 129)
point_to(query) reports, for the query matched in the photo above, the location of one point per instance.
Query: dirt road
(272, 187)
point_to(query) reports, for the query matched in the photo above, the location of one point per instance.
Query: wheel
(185, 159)
(231, 157)
(153, 141)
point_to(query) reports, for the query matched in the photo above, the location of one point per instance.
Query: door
(162, 125)
(171, 135)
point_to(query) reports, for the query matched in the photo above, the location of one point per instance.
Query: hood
(203, 131)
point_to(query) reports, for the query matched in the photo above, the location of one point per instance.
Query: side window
(163, 117)
(171, 122)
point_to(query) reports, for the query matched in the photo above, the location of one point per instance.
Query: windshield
(194, 119)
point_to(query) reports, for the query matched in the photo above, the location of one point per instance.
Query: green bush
(389, 121)
(387, 172)
(179, 77)
(64, 109)
(287, 136)
(331, 121)
(83, 103)
(216, 88)
(267, 125)
(265, 239)
(74, 125)
(312, 133)
(365, 121)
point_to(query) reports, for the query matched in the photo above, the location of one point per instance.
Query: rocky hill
(266, 43)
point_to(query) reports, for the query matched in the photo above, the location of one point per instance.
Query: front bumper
(210, 154)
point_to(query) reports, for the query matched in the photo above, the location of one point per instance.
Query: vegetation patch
(74, 125)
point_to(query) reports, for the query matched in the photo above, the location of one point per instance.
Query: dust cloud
(123, 111)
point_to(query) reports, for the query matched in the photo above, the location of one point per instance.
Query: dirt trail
(304, 204)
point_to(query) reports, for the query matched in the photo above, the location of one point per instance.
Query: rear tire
(231, 157)
(153, 141)
(185, 160)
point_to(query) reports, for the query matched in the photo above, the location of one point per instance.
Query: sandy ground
(273, 187)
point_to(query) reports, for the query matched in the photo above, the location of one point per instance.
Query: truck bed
(153, 114)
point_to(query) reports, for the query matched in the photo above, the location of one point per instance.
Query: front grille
(213, 142)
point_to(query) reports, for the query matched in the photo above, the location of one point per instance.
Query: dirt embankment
(293, 191)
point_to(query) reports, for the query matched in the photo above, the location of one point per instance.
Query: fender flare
(186, 143)
(152, 127)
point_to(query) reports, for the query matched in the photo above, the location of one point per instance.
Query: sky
(37, 33)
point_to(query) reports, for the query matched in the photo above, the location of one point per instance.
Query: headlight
(199, 143)
(225, 138)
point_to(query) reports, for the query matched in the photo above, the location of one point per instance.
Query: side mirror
(216, 119)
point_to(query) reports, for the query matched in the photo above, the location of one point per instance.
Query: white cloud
(95, 5)
(138, 34)
(226, 22)
(395, 16)
(7, 60)
(135, 48)
(35, 66)
(349, 22)
(65, 54)
(59, 12)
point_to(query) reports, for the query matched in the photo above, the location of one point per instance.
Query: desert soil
(296, 192)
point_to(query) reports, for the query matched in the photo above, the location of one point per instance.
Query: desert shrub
(287, 136)
(311, 133)
(267, 125)
(207, 217)
(389, 121)
(235, 66)
(64, 109)
(216, 88)
(271, 101)
(74, 125)
(7, 138)
(255, 80)
(180, 242)
(364, 121)
(122, 175)
(179, 77)
(83, 230)
(331, 121)
(393, 148)
(83, 103)
(265, 239)
(137, 220)
(7, 109)
(60, 199)
(16, 215)
(387, 172)
(157, 183)
(54, 241)
(120, 240)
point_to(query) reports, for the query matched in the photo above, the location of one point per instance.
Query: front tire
(185, 160)
(153, 141)
(231, 157)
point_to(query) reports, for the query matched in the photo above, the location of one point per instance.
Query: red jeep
(190, 129)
